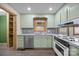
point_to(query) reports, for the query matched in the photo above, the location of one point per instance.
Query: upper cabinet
(63, 14)
(66, 13)
(57, 18)
(74, 11)
(26, 20)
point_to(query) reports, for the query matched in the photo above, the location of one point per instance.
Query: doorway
(3, 27)
(7, 29)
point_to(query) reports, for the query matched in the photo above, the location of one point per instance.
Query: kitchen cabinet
(64, 15)
(20, 42)
(74, 51)
(52, 42)
(36, 42)
(49, 41)
(57, 18)
(74, 11)
(26, 20)
(42, 41)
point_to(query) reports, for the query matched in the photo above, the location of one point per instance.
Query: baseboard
(42, 48)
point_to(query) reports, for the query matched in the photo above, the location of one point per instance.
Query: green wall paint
(3, 33)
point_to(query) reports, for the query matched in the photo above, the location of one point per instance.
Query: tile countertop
(60, 36)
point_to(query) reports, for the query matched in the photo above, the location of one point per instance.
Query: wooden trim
(14, 26)
(8, 29)
(14, 32)
(5, 8)
(41, 48)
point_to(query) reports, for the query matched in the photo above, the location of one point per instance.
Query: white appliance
(61, 49)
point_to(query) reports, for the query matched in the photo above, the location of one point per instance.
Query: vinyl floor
(5, 51)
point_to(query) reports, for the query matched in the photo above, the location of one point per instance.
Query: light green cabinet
(26, 20)
(74, 51)
(64, 15)
(42, 41)
(20, 42)
(74, 11)
(36, 42)
(49, 39)
(57, 18)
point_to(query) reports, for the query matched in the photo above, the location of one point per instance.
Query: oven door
(60, 49)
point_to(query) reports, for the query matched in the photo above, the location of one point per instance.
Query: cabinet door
(57, 18)
(52, 41)
(20, 42)
(48, 41)
(74, 51)
(36, 42)
(63, 15)
(74, 11)
(43, 42)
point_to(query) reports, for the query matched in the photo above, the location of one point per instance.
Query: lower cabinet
(52, 42)
(37, 41)
(42, 41)
(20, 42)
(74, 51)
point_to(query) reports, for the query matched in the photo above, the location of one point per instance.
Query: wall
(3, 29)
(26, 20)
(18, 27)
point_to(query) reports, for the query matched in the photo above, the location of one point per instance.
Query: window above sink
(40, 24)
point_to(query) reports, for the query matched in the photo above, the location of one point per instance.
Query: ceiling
(36, 7)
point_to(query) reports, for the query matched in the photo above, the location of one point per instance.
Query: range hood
(71, 23)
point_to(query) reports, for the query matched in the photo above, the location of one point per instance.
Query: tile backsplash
(27, 30)
(31, 30)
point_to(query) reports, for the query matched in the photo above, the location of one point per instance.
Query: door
(3, 29)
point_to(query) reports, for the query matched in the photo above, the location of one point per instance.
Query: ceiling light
(50, 9)
(29, 8)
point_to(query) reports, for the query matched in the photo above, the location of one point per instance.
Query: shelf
(10, 27)
(11, 21)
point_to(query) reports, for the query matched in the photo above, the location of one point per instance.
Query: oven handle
(60, 45)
